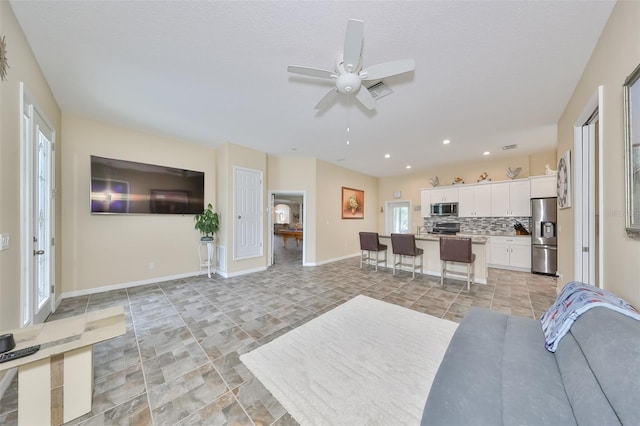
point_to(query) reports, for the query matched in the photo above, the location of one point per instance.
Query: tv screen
(127, 187)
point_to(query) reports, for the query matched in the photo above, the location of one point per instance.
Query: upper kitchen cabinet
(511, 198)
(444, 195)
(543, 186)
(425, 202)
(474, 201)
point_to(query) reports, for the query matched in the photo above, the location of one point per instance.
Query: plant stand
(205, 253)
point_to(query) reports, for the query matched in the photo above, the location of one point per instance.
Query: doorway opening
(288, 228)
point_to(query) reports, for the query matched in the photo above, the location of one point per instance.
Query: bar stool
(369, 242)
(405, 245)
(457, 249)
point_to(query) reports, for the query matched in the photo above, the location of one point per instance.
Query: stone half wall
(482, 225)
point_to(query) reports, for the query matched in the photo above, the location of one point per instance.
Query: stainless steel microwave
(444, 209)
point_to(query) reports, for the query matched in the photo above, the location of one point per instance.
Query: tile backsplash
(490, 225)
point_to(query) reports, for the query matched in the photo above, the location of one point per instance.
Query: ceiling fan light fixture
(348, 83)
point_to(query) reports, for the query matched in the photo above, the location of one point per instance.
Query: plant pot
(205, 239)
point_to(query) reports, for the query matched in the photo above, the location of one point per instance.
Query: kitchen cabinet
(511, 198)
(444, 195)
(544, 186)
(474, 201)
(425, 203)
(510, 253)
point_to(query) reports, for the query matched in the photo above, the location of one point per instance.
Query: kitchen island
(430, 243)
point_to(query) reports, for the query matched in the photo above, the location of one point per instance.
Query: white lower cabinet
(510, 253)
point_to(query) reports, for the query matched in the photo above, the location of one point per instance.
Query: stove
(446, 228)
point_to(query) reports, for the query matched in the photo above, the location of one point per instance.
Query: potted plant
(207, 223)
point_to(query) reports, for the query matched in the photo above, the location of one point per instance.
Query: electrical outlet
(5, 241)
(152, 265)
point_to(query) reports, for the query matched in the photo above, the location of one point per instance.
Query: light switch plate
(5, 241)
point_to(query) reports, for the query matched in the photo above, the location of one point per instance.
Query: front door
(38, 236)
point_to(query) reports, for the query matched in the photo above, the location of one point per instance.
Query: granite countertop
(475, 239)
(493, 234)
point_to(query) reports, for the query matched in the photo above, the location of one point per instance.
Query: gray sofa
(496, 371)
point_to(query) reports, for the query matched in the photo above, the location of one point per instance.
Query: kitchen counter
(475, 238)
(492, 234)
(430, 243)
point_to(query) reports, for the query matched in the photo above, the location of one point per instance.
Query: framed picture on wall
(564, 181)
(352, 203)
(631, 92)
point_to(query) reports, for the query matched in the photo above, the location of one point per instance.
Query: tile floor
(178, 362)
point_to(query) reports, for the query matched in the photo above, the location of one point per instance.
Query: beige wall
(615, 56)
(410, 185)
(23, 68)
(297, 174)
(327, 236)
(106, 250)
(336, 237)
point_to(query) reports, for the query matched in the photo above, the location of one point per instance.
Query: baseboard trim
(130, 284)
(334, 259)
(239, 273)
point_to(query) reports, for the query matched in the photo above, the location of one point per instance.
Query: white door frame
(29, 107)
(272, 193)
(584, 193)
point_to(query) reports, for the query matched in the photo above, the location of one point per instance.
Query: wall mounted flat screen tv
(127, 187)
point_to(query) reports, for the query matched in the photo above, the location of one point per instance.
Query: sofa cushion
(496, 370)
(599, 363)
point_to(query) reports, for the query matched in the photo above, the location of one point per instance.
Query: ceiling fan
(349, 74)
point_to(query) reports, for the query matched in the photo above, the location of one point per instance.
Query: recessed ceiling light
(486, 153)
(446, 142)
(408, 167)
(387, 156)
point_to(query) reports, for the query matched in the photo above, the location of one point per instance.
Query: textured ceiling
(488, 73)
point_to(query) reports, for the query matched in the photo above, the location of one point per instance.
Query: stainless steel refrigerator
(544, 238)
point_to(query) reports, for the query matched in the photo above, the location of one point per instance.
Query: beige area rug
(366, 362)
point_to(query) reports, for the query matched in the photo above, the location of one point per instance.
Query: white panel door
(248, 213)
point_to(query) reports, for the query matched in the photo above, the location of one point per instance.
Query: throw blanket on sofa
(575, 299)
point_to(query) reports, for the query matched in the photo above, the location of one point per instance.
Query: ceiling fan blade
(387, 69)
(353, 44)
(313, 72)
(365, 98)
(327, 99)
